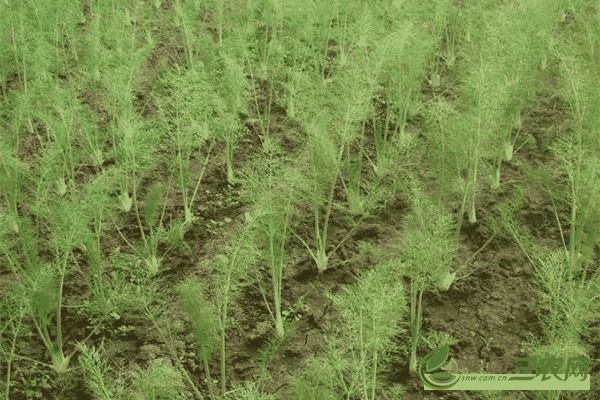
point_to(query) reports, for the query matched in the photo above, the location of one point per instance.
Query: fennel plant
(232, 268)
(203, 317)
(233, 102)
(45, 281)
(427, 252)
(189, 105)
(273, 217)
(371, 312)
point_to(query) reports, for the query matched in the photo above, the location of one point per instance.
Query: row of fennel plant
(208, 307)
(567, 278)
(65, 127)
(333, 113)
(38, 292)
(216, 90)
(54, 206)
(331, 95)
(401, 58)
(500, 68)
(372, 311)
(110, 56)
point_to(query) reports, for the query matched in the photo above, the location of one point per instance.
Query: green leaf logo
(433, 361)
(438, 358)
(442, 377)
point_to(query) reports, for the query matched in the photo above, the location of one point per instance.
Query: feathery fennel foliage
(273, 218)
(233, 89)
(188, 105)
(232, 269)
(570, 292)
(95, 369)
(428, 249)
(272, 184)
(370, 313)
(204, 322)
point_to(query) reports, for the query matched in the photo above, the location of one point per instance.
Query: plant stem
(471, 211)
(222, 326)
(58, 358)
(363, 359)
(209, 381)
(496, 178)
(413, 307)
(416, 327)
(189, 206)
(562, 236)
(59, 337)
(461, 215)
(322, 238)
(374, 384)
(220, 16)
(572, 256)
(276, 273)
(350, 232)
(224, 306)
(228, 159)
(473, 256)
(137, 213)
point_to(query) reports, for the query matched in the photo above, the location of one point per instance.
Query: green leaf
(201, 314)
(451, 367)
(28, 242)
(442, 377)
(447, 281)
(438, 358)
(126, 201)
(152, 204)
